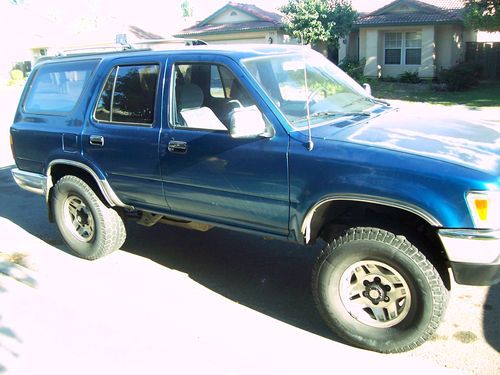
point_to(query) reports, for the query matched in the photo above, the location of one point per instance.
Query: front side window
(206, 96)
(56, 88)
(128, 95)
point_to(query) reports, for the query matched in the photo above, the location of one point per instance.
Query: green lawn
(487, 94)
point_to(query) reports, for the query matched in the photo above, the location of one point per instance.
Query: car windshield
(296, 81)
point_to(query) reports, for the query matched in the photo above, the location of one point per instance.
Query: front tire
(378, 291)
(90, 228)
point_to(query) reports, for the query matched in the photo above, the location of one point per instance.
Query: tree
(187, 11)
(483, 14)
(319, 20)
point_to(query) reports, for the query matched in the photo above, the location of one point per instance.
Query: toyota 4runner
(276, 141)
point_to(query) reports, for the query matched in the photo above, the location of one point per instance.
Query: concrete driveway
(179, 301)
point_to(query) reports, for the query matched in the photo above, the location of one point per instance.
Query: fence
(485, 54)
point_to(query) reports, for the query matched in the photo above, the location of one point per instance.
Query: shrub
(461, 76)
(353, 68)
(16, 74)
(409, 77)
(388, 79)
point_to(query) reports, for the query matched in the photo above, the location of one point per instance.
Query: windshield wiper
(379, 101)
(334, 113)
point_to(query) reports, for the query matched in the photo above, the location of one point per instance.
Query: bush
(353, 68)
(388, 79)
(16, 74)
(461, 76)
(409, 77)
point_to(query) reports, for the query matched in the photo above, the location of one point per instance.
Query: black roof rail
(119, 48)
(62, 55)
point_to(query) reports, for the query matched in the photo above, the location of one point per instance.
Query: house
(110, 37)
(409, 35)
(238, 23)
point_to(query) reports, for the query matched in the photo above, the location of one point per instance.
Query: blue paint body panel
(262, 185)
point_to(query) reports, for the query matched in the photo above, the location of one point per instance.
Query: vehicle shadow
(26, 210)
(491, 318)
(268, 276)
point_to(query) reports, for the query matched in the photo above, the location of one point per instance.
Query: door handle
(96, 140)
(178, 147)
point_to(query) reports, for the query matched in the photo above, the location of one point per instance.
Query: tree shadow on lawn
(268, 276)
(487, 94)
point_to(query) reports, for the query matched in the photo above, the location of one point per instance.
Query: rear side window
(56, 88)
(128, 95)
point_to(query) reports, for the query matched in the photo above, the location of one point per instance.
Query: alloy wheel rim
(78, 219)
(375, 294)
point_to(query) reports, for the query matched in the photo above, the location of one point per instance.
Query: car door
(208, 175)
(121, 133)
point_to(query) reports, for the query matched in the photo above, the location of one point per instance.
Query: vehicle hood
(464, 141)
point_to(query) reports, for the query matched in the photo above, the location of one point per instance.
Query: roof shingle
(264, 21)
(427, 14)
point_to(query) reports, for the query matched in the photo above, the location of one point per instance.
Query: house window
(393, 44)
(413, 48)
(403, 48)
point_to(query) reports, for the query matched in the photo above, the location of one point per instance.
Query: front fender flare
(306, 223)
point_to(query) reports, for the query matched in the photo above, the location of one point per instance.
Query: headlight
(484, 207)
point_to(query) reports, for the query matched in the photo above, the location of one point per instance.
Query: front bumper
(474, 255)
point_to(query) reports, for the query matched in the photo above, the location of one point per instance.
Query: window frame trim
(123, 123)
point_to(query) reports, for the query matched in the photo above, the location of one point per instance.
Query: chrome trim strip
(306, 224)
(472, 234)
(104, 186)
(32, 182)
(478, 246)
(112, 94)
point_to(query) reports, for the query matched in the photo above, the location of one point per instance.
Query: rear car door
(120, 136)
(209, 175)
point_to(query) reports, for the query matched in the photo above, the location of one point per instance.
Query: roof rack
(100, 49)
(90, 52)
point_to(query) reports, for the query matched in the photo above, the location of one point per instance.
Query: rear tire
(378, 291)
(90, 228)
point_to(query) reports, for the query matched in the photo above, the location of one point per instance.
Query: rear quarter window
(56, 88)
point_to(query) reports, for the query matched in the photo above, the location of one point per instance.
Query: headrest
(190, 96)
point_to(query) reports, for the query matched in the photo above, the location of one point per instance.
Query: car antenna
(310, 144)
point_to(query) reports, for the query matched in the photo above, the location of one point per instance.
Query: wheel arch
(331, 216)
(61, 167)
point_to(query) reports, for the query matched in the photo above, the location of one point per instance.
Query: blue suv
(276, 141)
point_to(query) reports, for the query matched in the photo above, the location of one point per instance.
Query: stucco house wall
(440, 28)
(238, 23)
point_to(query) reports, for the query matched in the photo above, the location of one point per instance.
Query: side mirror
(367, 88)
(247, 122)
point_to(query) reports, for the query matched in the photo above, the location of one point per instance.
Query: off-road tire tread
(439, 291)
(113, 228)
